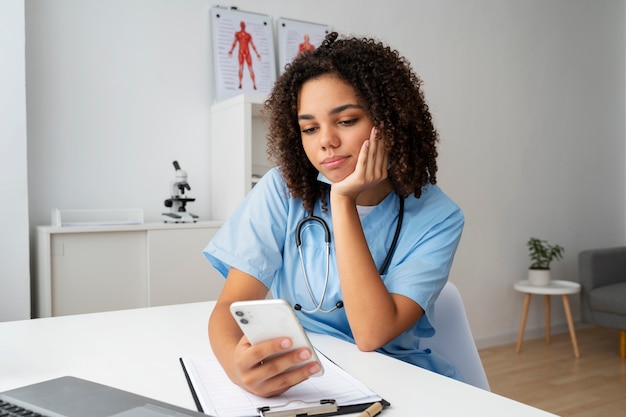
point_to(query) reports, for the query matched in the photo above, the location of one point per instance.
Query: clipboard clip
(324, 406)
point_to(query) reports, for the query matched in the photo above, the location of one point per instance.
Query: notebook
(335, 392)
(74, 397)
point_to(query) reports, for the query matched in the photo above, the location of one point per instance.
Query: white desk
(138, 350)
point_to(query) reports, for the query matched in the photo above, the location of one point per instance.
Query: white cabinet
(238, 151)
(178, 271)
(86, 269)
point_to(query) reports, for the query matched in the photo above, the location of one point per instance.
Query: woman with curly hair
(355, 152)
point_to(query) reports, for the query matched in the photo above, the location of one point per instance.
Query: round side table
(555, 287)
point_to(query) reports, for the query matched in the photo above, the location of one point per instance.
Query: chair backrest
(453, 337)
(598, 268)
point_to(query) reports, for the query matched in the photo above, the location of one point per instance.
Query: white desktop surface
(138, 350)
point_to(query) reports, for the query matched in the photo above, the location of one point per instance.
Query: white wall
(529, 99)
(14, 266)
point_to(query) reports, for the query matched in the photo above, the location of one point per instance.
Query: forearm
(268, 368)
(232, 47)
(371, 310)
(224, 335)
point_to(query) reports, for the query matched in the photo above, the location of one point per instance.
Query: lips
(334, 161)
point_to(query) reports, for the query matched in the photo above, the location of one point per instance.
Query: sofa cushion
(609, 298)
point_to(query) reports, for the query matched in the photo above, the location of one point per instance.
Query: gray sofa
(602, 275)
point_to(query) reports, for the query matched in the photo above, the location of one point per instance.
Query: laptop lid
(74, 397)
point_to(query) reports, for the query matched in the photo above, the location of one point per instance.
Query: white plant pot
(539, 277)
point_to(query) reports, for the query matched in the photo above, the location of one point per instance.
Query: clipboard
(324, 407)
(330, 408)
(207, 381)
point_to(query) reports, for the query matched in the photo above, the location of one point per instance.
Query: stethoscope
(324, 225)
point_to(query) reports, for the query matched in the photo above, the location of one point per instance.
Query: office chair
(453, 337)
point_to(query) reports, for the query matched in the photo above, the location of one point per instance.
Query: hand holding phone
(261, 320)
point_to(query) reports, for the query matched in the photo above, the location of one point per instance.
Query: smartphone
(261, 320)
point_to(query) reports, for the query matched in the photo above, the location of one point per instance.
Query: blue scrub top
(259, 239)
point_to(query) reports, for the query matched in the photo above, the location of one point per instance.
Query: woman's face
(333, 125)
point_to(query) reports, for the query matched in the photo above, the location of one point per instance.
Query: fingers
(374, 160)
(270, 368)
(371, 168)
(260, 352)
(287, 370)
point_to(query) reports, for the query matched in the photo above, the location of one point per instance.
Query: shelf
(238, 151)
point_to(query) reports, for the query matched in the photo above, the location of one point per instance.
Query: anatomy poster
(295, 37)
(243, 52)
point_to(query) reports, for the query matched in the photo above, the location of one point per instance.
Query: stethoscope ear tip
(298, 307)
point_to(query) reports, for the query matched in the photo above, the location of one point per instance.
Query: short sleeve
(253, 237)
(431, 241)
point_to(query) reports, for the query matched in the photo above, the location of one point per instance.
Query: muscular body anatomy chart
(295, 37)
(243, 52)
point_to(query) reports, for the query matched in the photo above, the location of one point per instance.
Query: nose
(329, 138)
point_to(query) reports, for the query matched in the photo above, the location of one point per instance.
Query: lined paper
(219, 396)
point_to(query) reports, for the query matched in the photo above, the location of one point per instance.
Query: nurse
(355, 146)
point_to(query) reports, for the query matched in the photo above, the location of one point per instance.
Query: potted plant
(541, 255)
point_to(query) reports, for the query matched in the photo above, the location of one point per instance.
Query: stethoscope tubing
(394, 242)
(311, 218)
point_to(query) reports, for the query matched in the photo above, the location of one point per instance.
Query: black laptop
(74, 397)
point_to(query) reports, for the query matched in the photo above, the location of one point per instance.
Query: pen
(372, 410)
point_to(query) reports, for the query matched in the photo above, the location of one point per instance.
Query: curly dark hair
(390, 93)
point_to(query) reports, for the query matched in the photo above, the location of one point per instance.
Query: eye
(348, 122)
(309, 130)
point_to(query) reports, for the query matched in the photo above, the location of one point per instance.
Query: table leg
(520, 336)
(570, 324)
(547, 302)
(622, 344)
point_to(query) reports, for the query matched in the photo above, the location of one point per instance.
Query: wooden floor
(551, 378)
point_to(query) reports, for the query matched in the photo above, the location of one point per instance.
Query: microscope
(178, 213)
